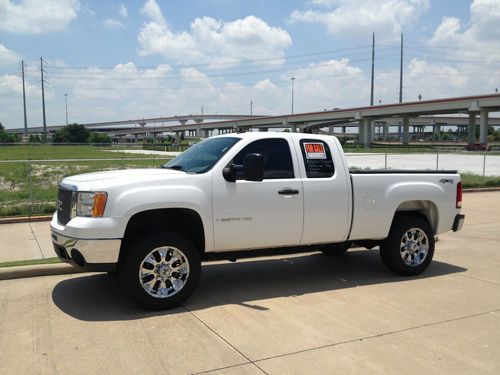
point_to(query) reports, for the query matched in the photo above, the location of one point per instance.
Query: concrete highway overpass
(436, 113)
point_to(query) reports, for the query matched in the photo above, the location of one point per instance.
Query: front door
(249, 215)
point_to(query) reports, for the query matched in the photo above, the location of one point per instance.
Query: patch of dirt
(8, 185)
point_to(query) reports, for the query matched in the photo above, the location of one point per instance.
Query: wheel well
(425, 209)
(177, 220)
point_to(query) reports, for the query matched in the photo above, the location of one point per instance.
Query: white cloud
(37, 16)
(359, 18)
(152, 10)
(484, 25)
(7, 56)
(211, 40)
(122, 11)
(112, 23)
(467, 53)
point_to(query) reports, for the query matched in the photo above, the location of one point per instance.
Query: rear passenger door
(248, 214)
(326, 192)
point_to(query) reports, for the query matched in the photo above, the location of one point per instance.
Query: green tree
(6, 137)
(99, 138)
(35, 138)
(73, 133)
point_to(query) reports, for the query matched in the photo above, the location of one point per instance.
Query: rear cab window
(318, 161)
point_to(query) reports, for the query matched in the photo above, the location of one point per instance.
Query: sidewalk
(25, 241)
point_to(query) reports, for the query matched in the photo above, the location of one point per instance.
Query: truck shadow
(97, 297)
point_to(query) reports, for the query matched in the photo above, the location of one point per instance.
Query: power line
(219, 75)
(233, 62)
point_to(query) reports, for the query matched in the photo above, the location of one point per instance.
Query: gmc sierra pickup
(243, 195)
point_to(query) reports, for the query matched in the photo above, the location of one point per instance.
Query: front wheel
(160, 271)
(409, 248)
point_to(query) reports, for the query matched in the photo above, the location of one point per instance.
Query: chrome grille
(65, 199)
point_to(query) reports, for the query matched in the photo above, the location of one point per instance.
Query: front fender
(141, 199)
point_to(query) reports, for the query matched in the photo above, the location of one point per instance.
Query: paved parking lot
(302, 314)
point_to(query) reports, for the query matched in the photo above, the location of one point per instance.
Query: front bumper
(87, 254)
(458, 223)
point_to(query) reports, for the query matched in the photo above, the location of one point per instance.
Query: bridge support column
(406, 130)
(385, 130)
(373, 131)
(343, 129)
(437, 132)
(331, 130)
(294, 128)
(263, 129)
(177, 138)
(483, 127)
(471, 128)
(367, 133)
(361, 132)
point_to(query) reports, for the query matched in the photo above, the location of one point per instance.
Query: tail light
(459, 195)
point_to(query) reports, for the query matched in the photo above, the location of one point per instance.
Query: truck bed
(377, 194)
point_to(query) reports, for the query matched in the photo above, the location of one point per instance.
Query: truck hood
(119, 177)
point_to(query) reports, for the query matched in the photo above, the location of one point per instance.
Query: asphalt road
(303, 314)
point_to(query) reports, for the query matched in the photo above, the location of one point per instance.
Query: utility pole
(66, 102)
(401, 73)
(24, 101)
(202, 110)
(43, 99)
(293, 80)
(251, 107)
(373, 68)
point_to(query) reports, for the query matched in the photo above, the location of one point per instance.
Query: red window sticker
(315, 150)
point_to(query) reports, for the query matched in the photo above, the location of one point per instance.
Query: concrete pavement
(301, 314)
(25, 241)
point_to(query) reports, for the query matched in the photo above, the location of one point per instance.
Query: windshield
(201, 157)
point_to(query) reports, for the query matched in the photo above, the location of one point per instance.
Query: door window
(317, 158)
(277, 158)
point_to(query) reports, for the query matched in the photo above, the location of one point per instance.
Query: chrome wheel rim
(164, 272)
(414, 247)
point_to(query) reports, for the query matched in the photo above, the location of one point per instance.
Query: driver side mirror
(252, 168)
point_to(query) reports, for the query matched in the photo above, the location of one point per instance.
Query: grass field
(43, 152)
(30, 262)
(30, 187)
(475, 181)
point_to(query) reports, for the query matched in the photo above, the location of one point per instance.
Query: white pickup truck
(241, 195)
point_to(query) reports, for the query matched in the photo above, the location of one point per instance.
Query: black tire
(397, 251)
(134, 258)
(336, 249)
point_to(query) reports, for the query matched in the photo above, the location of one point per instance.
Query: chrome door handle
(288, 192)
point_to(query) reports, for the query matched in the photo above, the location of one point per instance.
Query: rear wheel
(409, 248)
(160, 271)
(336, 249)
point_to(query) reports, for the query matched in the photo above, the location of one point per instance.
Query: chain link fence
(29, 175)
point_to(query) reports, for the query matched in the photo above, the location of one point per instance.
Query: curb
(24, 219)
(21, 272)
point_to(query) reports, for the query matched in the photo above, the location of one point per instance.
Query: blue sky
(134, 59)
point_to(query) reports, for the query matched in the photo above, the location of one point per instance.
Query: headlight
(90, 204)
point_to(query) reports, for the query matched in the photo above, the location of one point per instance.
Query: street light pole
(293, 80)
(66, 102)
